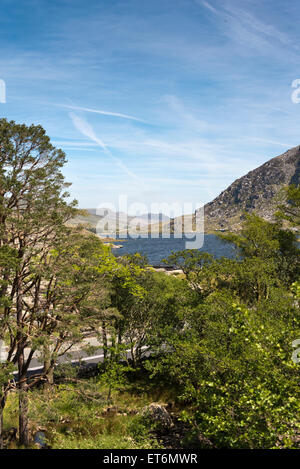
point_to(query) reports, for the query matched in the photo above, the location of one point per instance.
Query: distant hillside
(256, 191)
(91, 218)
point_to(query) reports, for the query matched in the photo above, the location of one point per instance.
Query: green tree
(66, 281)
(231, 359)
(197, 268)
(289, 208)
(33, 211)
(270, 245)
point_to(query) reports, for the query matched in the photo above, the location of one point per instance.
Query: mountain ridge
(256, 191)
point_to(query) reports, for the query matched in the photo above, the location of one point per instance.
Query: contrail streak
(86, 129)
(105, 113)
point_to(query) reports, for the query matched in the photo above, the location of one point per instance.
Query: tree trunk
(22, 371)
(23, 400)
(2, 405)
(132, 352)
(104, 339)
(23, 413)
(48, 370)
(49, 374)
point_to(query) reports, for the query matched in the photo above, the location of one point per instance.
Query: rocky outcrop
(256, 191)
(159, 414)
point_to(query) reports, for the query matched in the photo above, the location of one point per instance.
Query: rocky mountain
(254, 192)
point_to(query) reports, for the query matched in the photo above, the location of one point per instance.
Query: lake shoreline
(158, 249)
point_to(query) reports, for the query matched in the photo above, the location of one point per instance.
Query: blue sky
(163, 101)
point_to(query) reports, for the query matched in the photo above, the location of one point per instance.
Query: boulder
(159, 414)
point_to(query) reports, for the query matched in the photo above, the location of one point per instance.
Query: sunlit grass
(75, 415)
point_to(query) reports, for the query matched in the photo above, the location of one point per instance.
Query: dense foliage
(232, 362)
(218, 336)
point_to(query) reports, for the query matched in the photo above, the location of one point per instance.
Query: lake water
(158, 249)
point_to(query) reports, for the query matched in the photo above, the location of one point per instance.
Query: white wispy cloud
(273, 142)
(87, 130)
(215, 84)
(183, 114)
(207, 5)
(245, 27)
(98, 111)
(252, 23)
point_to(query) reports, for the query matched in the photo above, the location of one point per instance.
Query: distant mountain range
(93, 218)
(254, 192)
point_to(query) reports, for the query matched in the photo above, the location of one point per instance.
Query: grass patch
(77, 415)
